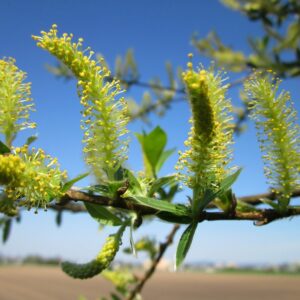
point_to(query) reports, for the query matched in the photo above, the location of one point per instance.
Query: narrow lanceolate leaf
(176, 209)
(3, 148)
(161, 182)
(58, 218)
(31, 140)
(70, 183)
(230, 180)
(102, 215)
(225, 185)
(6, 230)
(164, 156)
(185, 243)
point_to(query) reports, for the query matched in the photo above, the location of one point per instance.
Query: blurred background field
(48, 283)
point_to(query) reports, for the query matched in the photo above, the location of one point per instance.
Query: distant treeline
(31, 259)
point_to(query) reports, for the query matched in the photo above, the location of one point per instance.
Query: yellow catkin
(31, 177)
(15, 101)
(278, 134)
(104, 114)
(210, 138)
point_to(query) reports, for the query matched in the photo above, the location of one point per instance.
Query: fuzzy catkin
(278, 134)
(15, 100)
(31, 176)
(96, 266)
(210, 138)
(104, 116)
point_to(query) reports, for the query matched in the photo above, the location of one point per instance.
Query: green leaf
(176, 209)
(6, 230)
(153, 145)
(224, 200)
(160, 182)
(209, 196)
(164, 156)
(70, 183)
(101, 189)
(271, 203)
(3, 148)
(230, 180)
(185, 243)
(225, 185)
(245, 207)
(134, 184)
(31, 139)
(102, 215)
(173, 190)
(58, 218)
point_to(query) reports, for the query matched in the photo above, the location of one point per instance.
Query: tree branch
(162, 249)
(262, 216)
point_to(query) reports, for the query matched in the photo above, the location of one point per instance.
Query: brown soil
(49, 283)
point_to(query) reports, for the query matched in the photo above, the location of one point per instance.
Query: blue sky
(158, 31)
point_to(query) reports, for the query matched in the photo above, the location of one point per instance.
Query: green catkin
(278, 134)
(209, 143)
(104, 116)
(15, 100)
(100, 263)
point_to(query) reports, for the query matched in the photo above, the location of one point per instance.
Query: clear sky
(158, 31)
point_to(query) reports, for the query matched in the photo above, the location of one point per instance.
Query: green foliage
(31, 140)
(153, 145)
(176, 209)
(6, 223)
(71, 182)
(4, 149)
(185, 243)
(102, 215)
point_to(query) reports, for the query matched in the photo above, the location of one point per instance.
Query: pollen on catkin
(31, 177)
(15, 100)
(209, 152)
(105, 116)
(278, 134)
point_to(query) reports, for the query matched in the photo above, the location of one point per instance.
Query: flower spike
(15, 100)
(278, 134)
(104, 116)
(210, 138)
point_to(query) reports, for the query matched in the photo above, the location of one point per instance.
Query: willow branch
(263, 216)
(256, 199)
(162, 249)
